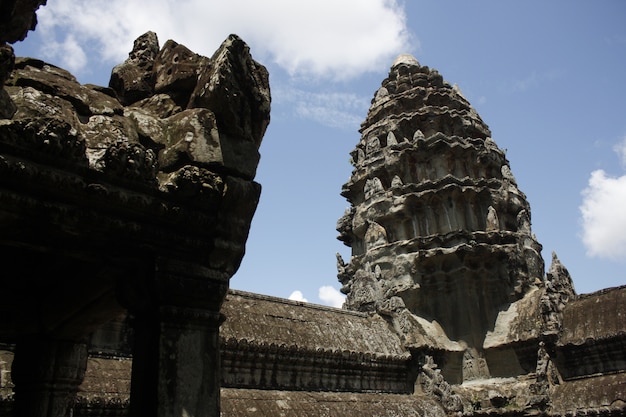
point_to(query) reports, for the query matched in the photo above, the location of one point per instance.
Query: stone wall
(269, 369)
(271, 343)
(593, 339)
(136, 197)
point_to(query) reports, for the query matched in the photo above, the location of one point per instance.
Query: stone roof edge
(603, 291)
(233, 344)
(280, 300)
(591, 341)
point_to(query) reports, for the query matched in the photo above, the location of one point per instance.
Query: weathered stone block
(237, 89)
(176, 70)
(133, 79)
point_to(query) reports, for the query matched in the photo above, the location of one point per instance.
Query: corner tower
(440, 233)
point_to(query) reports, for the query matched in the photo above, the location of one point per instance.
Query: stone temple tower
(440, 234)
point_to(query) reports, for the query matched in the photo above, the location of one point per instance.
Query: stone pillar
(46, 373)
(189, 374)
(176, 362)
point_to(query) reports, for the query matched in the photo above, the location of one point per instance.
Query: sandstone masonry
(126, 210)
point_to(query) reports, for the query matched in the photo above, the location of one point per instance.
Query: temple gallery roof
(265, 320)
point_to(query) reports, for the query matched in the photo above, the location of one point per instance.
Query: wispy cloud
(603, 214)
(324, 39)
(332, 109)
(532, 80)
(331, 296)
(620, 150)
(617, 39)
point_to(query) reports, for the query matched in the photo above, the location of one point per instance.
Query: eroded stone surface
(178, 136)
(241, 112)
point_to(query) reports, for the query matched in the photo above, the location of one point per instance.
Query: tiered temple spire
(437, 226)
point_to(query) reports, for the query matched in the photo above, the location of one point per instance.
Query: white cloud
(298, 296)
(322, 39)
(331, 296)
(604, 216)
(75, 56)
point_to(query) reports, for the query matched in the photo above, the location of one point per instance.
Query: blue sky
(547, 77)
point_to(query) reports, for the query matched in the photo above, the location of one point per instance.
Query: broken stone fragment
(133, 79)
(231, 87)
(236, 88)
(159, 105)
(190, 136)
(60, 83)
(176, 71)
(33, 103)
(101, 132)
(150, 128)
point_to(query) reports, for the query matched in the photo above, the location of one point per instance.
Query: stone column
(189, 374)
(47, 374)
(176, 354)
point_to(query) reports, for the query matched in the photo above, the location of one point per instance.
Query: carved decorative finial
(418, 135)
(406, 59)
(507, 174)
(376, 235)
(523, 222)
(493, 223)
(457, 90)
(558, 292)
